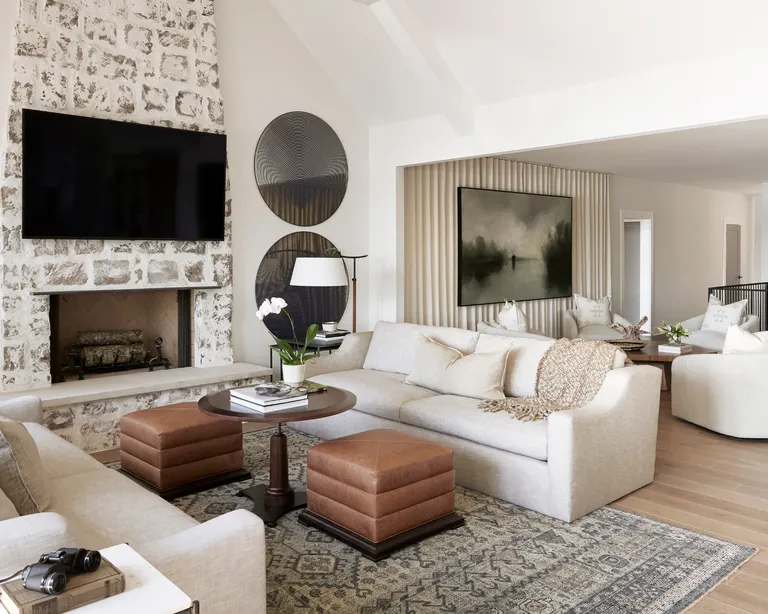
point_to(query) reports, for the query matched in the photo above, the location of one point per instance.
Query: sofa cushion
(461, 417)
(22, 477)
(7, 510)
(522, 361)
(378, 393)
(479, 375)
(121, 510)
(60, 458)
(393, 346)
(740, 341)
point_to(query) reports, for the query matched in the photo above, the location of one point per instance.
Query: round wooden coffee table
(273, 500)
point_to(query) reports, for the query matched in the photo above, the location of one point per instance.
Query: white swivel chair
(713, 340)
(593, 332)
(724, 393)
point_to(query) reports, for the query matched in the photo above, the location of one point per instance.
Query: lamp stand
(354, 260)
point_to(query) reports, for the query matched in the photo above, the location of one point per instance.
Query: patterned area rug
(505, 560)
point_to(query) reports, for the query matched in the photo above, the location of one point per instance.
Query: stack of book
(330, 338)
(261, 401)
(675, 349)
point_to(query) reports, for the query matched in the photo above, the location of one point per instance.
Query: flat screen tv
(86, 178)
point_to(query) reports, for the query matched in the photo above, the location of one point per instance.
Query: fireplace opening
(103, 332)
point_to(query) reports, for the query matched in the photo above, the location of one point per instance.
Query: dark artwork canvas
(513, 246)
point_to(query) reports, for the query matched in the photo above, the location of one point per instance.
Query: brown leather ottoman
(178, 450)
(380, 490)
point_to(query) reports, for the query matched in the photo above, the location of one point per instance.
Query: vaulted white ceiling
(483, 51)
(730, 157)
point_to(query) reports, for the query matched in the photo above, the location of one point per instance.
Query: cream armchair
(724, 393)
(713, 340)
(594, 332)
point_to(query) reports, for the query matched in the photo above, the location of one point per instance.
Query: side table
(146, 589)
(277, 498)
(314, 345)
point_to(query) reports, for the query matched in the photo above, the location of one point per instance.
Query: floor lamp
(326, 271)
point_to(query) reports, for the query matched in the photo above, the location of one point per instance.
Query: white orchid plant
(675, 333)
(295, 354)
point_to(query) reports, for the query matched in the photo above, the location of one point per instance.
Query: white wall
(715, 90)
(265, 71)
(689, 241)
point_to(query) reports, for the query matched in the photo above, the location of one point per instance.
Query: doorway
(733, 275)
(637, 266)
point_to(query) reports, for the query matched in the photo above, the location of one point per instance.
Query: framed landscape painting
(513, 246)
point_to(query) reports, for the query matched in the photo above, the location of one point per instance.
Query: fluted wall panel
(431, 237)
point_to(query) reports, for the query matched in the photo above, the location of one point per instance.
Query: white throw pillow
(22, 477)
(713, 300)
(393, 345)
(523, 361)
(6, 508)
(512, 317)
(738, 341)
(589, 312)
(719, 318)
(479, 375)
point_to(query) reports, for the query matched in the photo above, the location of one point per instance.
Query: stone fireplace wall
(145, 61)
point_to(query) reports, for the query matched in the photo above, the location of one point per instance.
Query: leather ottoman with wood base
(380, 490)
(177, 449)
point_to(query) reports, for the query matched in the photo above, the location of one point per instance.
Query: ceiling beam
(415, 43)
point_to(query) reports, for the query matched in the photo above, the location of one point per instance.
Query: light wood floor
(710, 484)
(715, 485)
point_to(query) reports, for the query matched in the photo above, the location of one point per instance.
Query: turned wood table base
(276, 499)
(273, 500)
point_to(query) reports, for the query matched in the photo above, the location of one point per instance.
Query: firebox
(100, 332)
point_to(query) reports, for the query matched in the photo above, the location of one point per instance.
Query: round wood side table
(273, 500)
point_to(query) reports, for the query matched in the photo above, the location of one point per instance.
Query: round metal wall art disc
(307, 305)
(301, 168)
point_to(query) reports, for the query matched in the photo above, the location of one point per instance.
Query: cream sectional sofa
(220, 563)
(565, 466)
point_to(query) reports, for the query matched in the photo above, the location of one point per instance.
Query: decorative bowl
(330, 327)
(628, 345)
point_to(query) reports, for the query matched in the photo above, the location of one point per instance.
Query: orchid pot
(293, 375)
(293, 354)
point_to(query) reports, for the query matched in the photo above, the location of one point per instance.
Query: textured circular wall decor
(305, 304)
(301, 168)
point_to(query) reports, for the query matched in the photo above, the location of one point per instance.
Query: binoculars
(51, 573)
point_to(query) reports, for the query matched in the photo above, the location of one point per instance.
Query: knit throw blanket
(569, 376)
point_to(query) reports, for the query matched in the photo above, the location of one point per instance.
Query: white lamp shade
(318, 272)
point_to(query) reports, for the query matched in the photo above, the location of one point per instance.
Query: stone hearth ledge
(63, 290)
(135, 383)
(87, 413)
